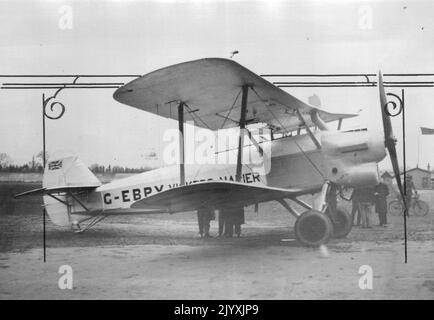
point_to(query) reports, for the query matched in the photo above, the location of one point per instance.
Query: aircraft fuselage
(346, 158)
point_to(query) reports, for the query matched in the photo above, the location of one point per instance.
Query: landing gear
(75, 225)
(320, 222)
(342, 222)
(313, 228)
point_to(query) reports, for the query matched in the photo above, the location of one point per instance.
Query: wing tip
(121, 90)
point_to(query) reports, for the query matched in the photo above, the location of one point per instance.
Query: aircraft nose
(378, 147)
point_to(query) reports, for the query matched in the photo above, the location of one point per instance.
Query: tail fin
(65, 173)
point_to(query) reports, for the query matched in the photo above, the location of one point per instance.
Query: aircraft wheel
(313, 228)
(342, 222)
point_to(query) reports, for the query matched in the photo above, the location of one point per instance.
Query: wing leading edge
(213, 195)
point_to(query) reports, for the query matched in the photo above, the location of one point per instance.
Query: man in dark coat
(238, 219)
(366, 200)
(355, 210)
(410, 192)
(233, 219)
(222, 221)
(226, 226)
(228, 223)
(381, 193)
(204, 216)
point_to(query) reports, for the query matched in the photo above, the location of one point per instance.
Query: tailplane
(67, 186)
(63, 177)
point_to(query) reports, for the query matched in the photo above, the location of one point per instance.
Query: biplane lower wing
(215, 195)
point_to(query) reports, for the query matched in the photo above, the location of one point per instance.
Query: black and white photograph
(216, 150)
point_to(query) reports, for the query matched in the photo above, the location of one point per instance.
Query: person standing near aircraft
(366, 201)
(355, 211)
(221, 221)
(381, 193)
(332, 197)
(204, 216)
(229, 223)
(232, 219)
(410, 191)
(238, 218)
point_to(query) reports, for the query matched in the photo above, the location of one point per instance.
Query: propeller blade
(389, 139)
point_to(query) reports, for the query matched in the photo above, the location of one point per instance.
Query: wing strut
(315, 141)
(242, 127)
(181, 143)
(340, 124)
(255, 143)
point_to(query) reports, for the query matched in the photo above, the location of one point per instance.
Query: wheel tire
(421, 208)
(343, 224)
(396, 208)
(313, 228)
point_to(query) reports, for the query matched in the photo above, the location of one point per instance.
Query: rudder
(67, 173)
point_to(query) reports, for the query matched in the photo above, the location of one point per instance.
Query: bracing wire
(283, 127)
(230, 110)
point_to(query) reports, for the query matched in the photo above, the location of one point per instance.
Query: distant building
(387, 177)
(421, 178)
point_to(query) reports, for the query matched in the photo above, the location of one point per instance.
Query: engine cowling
(366, 174)
(352, 157)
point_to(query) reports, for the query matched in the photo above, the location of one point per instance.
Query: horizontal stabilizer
(46, 191)
(33, 192)
(64, 177)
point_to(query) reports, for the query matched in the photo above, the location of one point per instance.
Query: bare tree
(5, 159)
(41, 158)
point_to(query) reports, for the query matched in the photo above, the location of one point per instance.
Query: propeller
(389, 138)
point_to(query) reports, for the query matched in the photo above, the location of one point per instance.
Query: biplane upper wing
(211, 89)
(213, 194)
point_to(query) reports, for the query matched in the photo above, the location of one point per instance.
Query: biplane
(305, 154)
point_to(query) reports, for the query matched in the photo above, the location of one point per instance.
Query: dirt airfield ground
(161, 257)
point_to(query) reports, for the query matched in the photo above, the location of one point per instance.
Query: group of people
(364, 198)
(229, 221)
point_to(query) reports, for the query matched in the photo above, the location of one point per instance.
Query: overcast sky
(137, 37)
